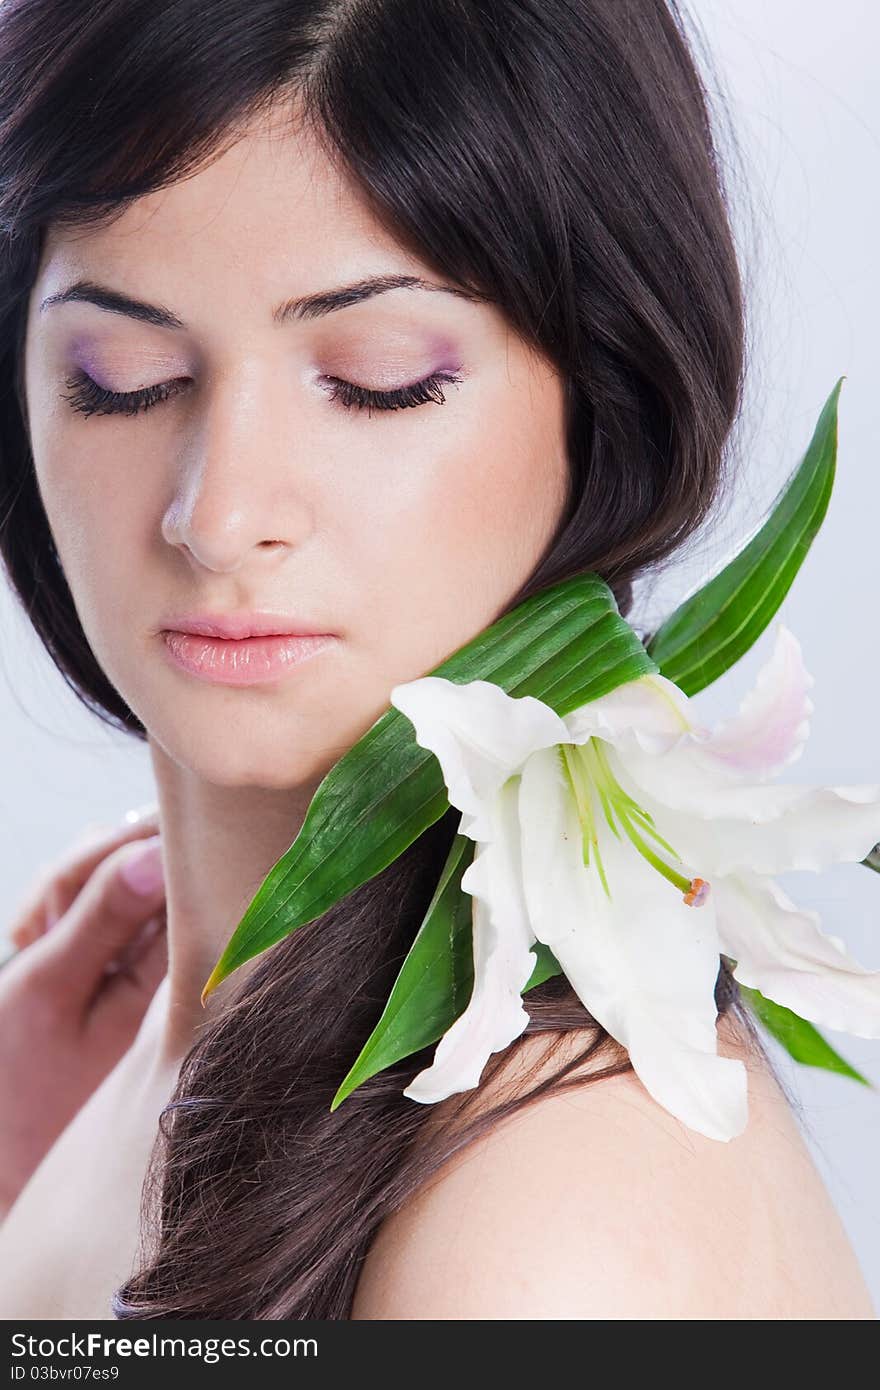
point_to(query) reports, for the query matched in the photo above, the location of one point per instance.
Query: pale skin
(404, 533)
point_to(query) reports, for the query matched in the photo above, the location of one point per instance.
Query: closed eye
(420, 393)
(87, 397)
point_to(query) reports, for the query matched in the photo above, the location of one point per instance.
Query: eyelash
(86, 396)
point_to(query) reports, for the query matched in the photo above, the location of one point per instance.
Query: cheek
(464, 521)
(96, 513)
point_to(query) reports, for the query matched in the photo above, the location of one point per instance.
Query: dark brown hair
(556, 156)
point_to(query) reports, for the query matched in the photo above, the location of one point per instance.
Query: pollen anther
(697, 893)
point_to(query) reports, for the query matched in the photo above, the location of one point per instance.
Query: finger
(59, 883)
(151, 963)
(124, 892)
(134, 949)
(122, 1002)
(145, 963)
(35, 910)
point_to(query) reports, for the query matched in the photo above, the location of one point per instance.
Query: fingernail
(142, 870)
(139, 813)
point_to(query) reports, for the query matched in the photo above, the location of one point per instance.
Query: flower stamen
(580, 786)
(589, 771)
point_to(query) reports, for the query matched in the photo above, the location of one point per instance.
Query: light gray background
(800, 85)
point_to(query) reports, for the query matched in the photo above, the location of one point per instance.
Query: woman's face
(251, 485)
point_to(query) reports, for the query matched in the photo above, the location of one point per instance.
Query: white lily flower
(638, 845)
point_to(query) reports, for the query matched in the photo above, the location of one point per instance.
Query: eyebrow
(310, 306)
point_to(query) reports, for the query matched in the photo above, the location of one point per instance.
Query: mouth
(236, 626)
(239, 661)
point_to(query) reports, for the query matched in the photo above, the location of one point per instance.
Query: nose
(237, 491)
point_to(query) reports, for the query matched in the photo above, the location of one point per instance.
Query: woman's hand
(59, 882)
(74, 994)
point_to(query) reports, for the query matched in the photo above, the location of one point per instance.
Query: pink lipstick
(241, 649)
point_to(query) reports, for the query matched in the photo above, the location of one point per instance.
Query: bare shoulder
(596, 1203)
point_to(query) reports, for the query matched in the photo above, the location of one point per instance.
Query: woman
(403, 311)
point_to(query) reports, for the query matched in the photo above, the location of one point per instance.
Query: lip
(261, 623)
(242, 661)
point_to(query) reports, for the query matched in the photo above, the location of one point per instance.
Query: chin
(235, 754)
(268, 773)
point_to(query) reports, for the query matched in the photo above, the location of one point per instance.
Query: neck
(219, 843)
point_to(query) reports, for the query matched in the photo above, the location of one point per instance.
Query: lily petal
(480, 736)
(708, 772)
(649, 712)
(643, 963)
(773, 723)
(769, 828)
(503, 963)
(781, 950)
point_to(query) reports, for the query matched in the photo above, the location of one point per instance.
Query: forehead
(272, 209)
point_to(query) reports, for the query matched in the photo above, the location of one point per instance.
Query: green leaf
(545, 966)
(715, 626)
(435, 982)
(434, 985)
(566, 645)
(798, 1037)
(872, 859)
